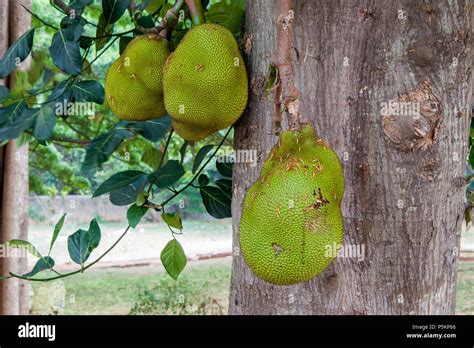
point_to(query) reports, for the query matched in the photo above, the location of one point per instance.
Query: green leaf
(134, 214)
(203, 151)
(230, 15)
(142, 198)
(17, 52)
(12, 112)
(44, 123)
(271, 79)
(173, 258)
(4, 93)
(66, 54)
(114, 9)
(99, 151)
(182, 151)
(128, 195)
(153, 130)
(224, 166)
(41, 265)
(81, 243)
(203, 180)
(216, 202)
(57, 229)
(103, 29)
(152, 157)
(23, 244)
(167, 175)
(91, 91)
(118, 181)
(124, 41)
(172, 220)
(78, 246)
(18, 122)
(226, 186)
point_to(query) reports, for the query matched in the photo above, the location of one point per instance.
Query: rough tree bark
(404, 176)
(14, 173)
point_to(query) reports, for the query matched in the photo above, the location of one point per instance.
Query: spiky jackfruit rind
(134, 82)
(205, 82)
(291, 218)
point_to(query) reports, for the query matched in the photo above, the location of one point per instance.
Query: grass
(203, 288)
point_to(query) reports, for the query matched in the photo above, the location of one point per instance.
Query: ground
(132, 280)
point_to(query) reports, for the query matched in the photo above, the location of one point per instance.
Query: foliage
(77, 146)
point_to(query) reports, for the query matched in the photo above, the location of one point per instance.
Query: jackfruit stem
(197, 12)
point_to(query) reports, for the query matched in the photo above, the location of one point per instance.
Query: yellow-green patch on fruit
(291, 217)
(134, 82)
(205, 82)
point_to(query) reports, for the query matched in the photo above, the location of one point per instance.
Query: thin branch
(196, 10)
(169, 20)
(286, 93)
(65, 8)
(38, 18)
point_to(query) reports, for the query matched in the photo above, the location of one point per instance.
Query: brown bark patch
(412, 121)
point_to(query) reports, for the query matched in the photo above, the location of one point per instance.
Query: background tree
(404, 177)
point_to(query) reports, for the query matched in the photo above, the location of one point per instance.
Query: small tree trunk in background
(14, 200)
(404, 175)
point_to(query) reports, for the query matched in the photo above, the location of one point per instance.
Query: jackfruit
(291, 226)
(205, 82)
(134, 82)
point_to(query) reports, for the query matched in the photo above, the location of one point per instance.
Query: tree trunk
(404, 175)
(14, 169)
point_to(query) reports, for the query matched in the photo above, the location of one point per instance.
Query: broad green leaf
(142, 198)
(124, 41)
(23, 244)
(66, 54)
(173, 220)
(95, 234)
(152, 157)
(16, 53)
(173, 258)
(78, 246)
(203, 180)
(88, 91)
(167, 175)
(203, 151)
(57, 229)
(128, 195)
(44, 123)
(224, 166)
(134, 214)
(12, 112)
(104, 29)
(118, 181)
(230, 15)
(216, 202)
(41, 265)
(153, 130)
(114, 9)
(18, 123)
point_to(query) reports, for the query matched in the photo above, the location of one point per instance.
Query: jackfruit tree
(359, 114)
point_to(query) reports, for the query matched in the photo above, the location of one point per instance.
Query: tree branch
(169, 20)
(197, 12)
(286, 93)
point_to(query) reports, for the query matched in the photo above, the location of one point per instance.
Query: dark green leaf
(167, 175)
(230, 15)
(134, 214)
(12, 112)
(172, 220)
(153, 130)
(224, 166)
(173, 258)
(114, 9)
(95, 234)
(17, 53)
(23, 244)
(79, 5)
(4, 93)
(85, 42)
(44, 123)
(216, 202)
(200, 156)
(57, 229)
(182, 151)
(72, 29)
(128, 195)
(226, 186)
(66, 54)
(61, 90)
(118, 181)
(91, 91)
(146, 21)
(41, 265)
(17, 123)
(103, 146)
(124, 41)
(78, 246)
(203, 180)
(104, 29)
